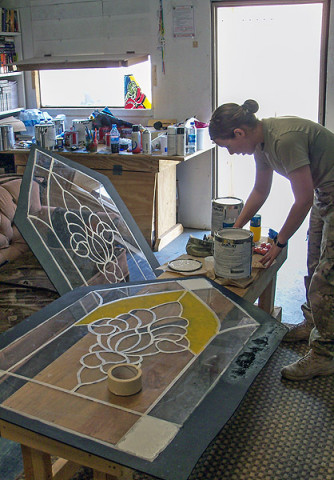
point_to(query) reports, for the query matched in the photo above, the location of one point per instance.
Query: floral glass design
(159, 327)
(77, 225)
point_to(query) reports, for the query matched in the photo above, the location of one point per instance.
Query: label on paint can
(71, 138)
(224, 212)
(233, 253)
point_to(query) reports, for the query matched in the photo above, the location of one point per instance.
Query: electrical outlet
(195, 44)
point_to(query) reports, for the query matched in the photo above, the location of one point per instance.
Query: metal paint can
(224, 212)
(45, 135)
(59, 125)
(79, 125)
(71, 138)
(7, 139)
(233, 253)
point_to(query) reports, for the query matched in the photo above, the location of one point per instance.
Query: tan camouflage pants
(319, 282)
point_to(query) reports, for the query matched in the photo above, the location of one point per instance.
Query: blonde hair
(226, 118)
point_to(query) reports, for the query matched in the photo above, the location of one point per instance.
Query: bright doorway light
(270, 53)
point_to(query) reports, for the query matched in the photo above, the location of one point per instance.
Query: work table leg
(267, 297)
(37, 465)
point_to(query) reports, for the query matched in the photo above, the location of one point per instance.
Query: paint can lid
(228, 200)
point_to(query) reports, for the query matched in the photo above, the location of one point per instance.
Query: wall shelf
(17, 76)
(5, 113)
(56, 62)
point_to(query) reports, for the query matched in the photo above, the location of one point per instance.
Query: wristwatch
(280, 245)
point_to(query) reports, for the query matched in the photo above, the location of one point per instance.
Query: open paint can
(224, 212)
(233, 253)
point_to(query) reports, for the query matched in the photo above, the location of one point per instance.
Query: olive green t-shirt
(292, 142)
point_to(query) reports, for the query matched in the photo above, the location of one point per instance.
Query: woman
(303, 152)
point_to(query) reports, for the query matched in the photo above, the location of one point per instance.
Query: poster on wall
(183, 21)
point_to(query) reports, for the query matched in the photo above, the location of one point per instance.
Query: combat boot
(298, 331)
(312, 365)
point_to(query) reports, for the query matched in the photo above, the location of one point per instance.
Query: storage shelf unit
(17, 76)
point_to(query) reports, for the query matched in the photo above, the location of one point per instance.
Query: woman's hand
(270, 256)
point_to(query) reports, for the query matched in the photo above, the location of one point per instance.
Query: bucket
(224, 212)
(233, 253)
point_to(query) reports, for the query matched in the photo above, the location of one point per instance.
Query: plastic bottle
(136, 139)
(191, 143)
(25, 117)
(40, 115)
(35, 119)
(114, 139)
(171, 140)
(180, 141)
(255, 227)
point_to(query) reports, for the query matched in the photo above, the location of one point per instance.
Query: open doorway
(272, 52)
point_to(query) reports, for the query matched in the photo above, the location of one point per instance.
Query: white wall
(116, 26)
(113, 26)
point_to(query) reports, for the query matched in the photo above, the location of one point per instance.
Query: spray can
(136, 139)
(255, 227)
(146, 136)
(180, 141)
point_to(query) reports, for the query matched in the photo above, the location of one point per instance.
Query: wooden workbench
(146, 183)
(262, 289)
(37, 449)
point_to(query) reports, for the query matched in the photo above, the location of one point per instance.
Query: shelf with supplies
(12, 91)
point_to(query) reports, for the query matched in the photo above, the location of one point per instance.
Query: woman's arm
(302, 188)
(258, 195)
